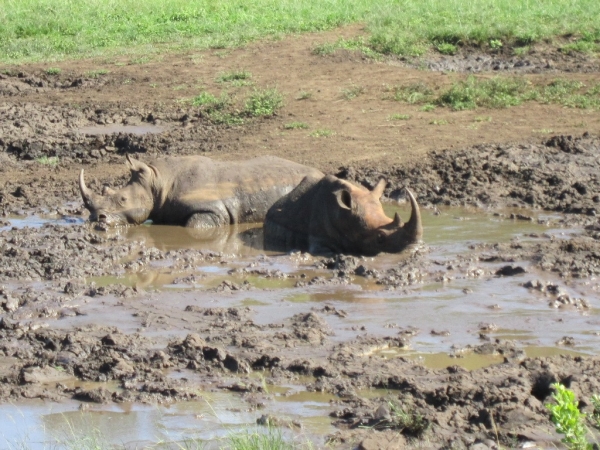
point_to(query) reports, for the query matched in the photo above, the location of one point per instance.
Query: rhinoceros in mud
(325, 215)
(196, 191)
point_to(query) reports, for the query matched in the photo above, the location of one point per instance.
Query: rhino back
(235, 191)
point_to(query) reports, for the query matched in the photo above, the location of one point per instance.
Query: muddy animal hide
(328, 215)
(196, 191)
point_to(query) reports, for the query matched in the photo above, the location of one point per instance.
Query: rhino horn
(86, 193)
(414, 227)
(379, 188)
(397, 221)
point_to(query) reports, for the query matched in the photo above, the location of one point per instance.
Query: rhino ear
(379, 188)
(344, 199)
(138, 166)
(108, 191)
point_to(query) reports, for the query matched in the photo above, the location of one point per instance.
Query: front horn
(86, 193)
(414, 226)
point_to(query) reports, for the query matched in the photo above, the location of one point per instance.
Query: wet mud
(455, 343)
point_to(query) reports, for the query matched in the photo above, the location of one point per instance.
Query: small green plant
(495, 44)
(483, 119)
(51, 161)
(567, 418)
(210, 102)
(324, 49)
(236, 78)
(596, 412)
(352, 92)
(272, 439)
(445, 48)
(521, 51)
(398, 117)
(96, 73)
(295, 126)
(428, 107)
(438, 122)
(413, 93)
(263, 103)
(304, 95)
(53, 71)
(321, 133)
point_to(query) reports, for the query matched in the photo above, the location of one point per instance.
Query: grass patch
(359, 44)
(438, 122)
(445, 48)
(272, 439)
(96, 73)
(295, 126)
(221, 110)
(264, 103)
(236, 78)
(413, 93)
(304, 95)
(499, 92)
(51, 161)
(398, 117)
(352, 92)
(321, 133)
(58, 29)
(53, 71)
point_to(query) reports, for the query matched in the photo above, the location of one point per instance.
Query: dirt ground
(530, 157)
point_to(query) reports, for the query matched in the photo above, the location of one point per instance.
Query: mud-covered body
(327, 215)
(196, 191)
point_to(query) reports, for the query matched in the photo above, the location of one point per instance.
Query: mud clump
(531, 175)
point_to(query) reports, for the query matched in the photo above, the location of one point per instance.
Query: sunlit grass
(57, 29)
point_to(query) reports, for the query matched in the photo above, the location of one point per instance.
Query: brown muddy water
(456, 304)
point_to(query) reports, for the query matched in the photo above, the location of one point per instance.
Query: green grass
(222, 110)
(499, 92)
(236, 78)
(322, 133)
(96, 73)
(398, 117)
(58, 29)
(295, 126)
(352, 92)
(264, 103)
(51, 161)
(53, 71)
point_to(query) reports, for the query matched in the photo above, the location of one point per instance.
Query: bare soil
(534, 156)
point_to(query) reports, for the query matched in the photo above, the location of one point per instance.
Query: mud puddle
(138, 130)
(454, 299)
(209, 420)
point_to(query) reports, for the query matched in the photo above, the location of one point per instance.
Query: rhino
(325, 215)
(195, 191)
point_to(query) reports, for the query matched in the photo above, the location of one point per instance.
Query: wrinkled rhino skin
(196, 191)
(325, 215)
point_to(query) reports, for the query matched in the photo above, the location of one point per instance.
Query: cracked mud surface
(152, 315)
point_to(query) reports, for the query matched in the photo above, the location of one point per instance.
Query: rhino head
(129, 205)
(363, 225)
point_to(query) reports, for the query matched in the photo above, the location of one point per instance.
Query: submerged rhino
(328, 215)
(196, 191)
